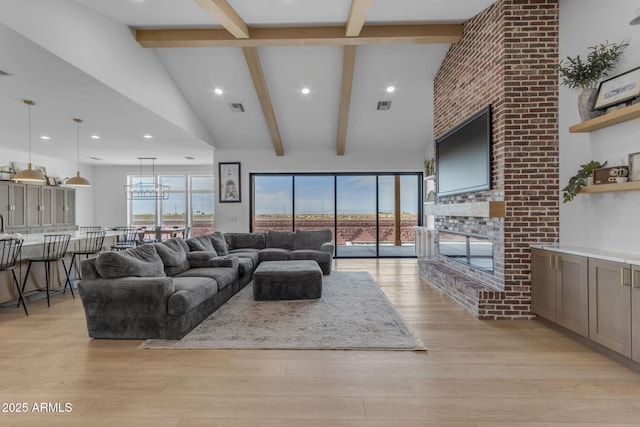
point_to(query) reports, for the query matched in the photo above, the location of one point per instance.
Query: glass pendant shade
(78, 181)
(29, 175)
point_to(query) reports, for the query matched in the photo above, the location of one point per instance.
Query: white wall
(59, 168)
(607, 221)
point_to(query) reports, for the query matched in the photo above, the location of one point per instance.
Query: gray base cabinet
(559, 289)
(594, 297)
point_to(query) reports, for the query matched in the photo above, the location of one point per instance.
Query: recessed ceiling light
(45, 137)
(305, 91)
(95, 136)
(94, 158)
(189, 157)
(218, 91)
(391, 89)
(147, 136)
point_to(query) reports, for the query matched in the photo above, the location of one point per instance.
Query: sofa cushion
(219, 243)
(249, 241)
(200, 243)
(281, 239)
(311, 239)
(142, 261)
(190, 293)
(174, 255)
(310, 254)
(246, 253)
(245, 265)
(222, 275)
(273, 254)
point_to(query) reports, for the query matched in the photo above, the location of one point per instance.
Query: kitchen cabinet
(559, 289)
(13, 207)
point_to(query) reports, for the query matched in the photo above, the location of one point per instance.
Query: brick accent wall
(507, 58)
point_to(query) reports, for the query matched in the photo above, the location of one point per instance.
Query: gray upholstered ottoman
(283, 280)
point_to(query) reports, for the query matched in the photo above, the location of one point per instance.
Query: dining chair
(127, 240)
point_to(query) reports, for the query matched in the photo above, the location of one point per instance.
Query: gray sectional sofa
(163, 290)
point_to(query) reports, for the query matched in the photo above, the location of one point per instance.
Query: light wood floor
(475, 374)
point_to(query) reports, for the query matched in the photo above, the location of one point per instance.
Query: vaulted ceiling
(130, 67)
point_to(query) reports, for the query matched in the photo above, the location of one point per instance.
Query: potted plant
(578, 73)
(429, 167)
(579, 180)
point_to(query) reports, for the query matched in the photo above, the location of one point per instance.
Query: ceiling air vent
(236, 107)
(383, 105)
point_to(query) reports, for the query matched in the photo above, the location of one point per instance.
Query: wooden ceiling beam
(357, 16)
(348, 67)
(253, 62)
(226, 16)
(301, 36)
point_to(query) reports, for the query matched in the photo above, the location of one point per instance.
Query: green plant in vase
(579, 73)
(579, 180)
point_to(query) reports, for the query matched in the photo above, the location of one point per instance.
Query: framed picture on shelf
(618, 90)
(229, 182)
(51, 180)
(634, 167)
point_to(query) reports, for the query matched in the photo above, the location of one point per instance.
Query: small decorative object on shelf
(579, 180)
(577, 73)
(610, 175)
(634, 167)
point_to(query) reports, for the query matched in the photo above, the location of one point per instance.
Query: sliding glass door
(369, 214)
(356, 227)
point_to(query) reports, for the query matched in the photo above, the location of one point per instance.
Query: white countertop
(38, 239)
(592, 253)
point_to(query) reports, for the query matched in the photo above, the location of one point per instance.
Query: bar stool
(53, 249)
(9, 252)
(91, 245)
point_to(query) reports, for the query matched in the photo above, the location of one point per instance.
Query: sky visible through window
(314, 194)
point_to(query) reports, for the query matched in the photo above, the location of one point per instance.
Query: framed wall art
(618, 90)
(229, 182)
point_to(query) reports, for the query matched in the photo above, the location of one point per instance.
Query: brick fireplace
(507, 58)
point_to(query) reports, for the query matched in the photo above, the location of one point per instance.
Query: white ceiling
(63, 79)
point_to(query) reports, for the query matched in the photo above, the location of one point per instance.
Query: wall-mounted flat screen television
(463, 156)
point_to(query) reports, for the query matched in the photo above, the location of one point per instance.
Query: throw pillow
(280, 239)
(142, 261)
(219, 243)
(311, 239)
(200, 243)
(174, 255)
(248, 240)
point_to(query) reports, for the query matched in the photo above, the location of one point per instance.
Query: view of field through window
(189, 204)
(360, 209)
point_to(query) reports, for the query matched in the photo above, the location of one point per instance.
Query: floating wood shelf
(609, 119)
(608, 188)
(478, 209)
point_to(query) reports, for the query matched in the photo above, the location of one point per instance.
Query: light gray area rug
(353, 314)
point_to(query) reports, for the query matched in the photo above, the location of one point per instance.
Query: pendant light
(78, 181)
(147, 190)
(29, 175)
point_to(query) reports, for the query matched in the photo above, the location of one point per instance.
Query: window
(369, 214)
(190, 204)
(201, 205)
